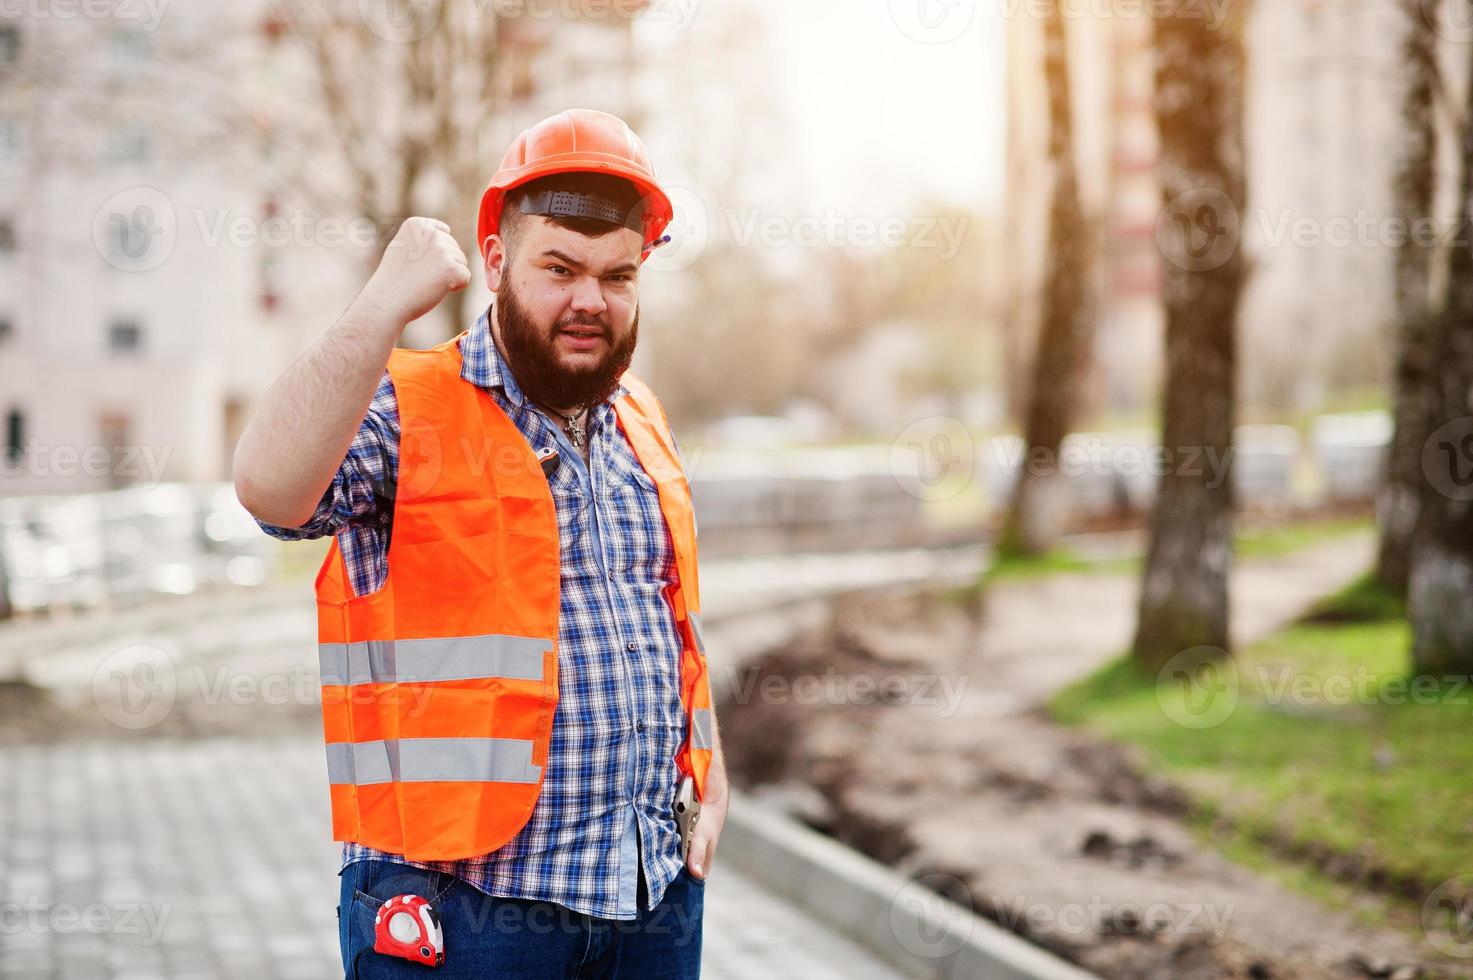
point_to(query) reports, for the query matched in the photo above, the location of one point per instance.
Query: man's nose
(588, 295)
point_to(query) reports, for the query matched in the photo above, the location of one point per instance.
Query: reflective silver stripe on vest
(702, 737)
(425, 760)
(695, 627)
(452, 658)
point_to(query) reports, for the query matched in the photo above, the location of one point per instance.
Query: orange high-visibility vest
(439, 689)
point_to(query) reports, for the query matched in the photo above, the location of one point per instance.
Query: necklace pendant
(576, 434)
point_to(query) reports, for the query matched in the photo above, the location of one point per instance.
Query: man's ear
(495, 262)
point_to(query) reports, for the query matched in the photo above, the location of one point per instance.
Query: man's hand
(421, 266)
(708, 827)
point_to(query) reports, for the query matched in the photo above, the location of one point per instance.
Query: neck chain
(573, 425)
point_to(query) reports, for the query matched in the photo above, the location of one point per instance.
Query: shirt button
(639, 726)
(631, 645)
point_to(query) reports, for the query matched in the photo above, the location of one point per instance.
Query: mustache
(595, 323)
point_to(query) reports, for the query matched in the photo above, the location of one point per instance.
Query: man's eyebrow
(573, 263)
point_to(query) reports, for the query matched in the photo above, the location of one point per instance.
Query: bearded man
(522, 756)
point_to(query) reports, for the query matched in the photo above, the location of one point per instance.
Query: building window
(127, 143)
(270, 274)
(7, 236)
(273, 26)
(9, 141)
(114, 433)
(9, 45)
(15, 434)
(130, 49)
(125, 336)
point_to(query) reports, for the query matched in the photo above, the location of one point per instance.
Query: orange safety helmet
(577, 140)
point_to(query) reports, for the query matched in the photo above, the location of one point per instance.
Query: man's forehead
(619, 246)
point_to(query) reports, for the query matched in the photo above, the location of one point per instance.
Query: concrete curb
(916, 930)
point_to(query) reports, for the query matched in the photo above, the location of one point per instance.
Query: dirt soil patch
(908, 728)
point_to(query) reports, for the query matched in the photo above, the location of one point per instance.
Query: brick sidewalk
(156, 857)
(160, 851)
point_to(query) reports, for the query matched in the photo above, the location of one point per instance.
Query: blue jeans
(486, 936)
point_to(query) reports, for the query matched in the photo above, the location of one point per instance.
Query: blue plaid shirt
(611, 776)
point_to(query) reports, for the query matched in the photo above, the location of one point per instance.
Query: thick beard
(531, 352)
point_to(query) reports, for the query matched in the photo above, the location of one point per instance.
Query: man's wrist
(376, 314)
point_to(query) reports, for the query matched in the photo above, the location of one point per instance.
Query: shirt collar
(481, 364)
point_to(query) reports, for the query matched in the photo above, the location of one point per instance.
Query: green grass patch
(1365, 600)
(1014, 568)
(1280, 540)
(1025, 568)
(1268, 542)
(1316, 736)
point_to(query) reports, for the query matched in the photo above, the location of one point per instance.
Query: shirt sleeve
(361, 492)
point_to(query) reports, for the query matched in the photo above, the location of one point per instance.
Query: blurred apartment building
(1322, 129)
(144, 307)
(122, 341)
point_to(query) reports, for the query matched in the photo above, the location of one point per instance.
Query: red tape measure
(408, 926)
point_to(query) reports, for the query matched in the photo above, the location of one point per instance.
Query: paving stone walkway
(206, 858)
(193, 841)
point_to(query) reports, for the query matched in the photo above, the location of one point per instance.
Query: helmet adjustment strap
(581, 204)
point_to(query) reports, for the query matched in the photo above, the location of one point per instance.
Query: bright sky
(877, 111)
(887, 101)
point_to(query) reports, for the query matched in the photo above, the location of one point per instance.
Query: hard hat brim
(658, 209)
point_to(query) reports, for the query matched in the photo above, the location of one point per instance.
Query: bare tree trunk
(1021, 291)
(1199, 110)
(1441, 579)
(6, 610)
(1064, 340)
(1398, 505)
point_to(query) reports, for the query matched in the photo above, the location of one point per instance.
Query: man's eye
(621, 277)
(557, 269)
